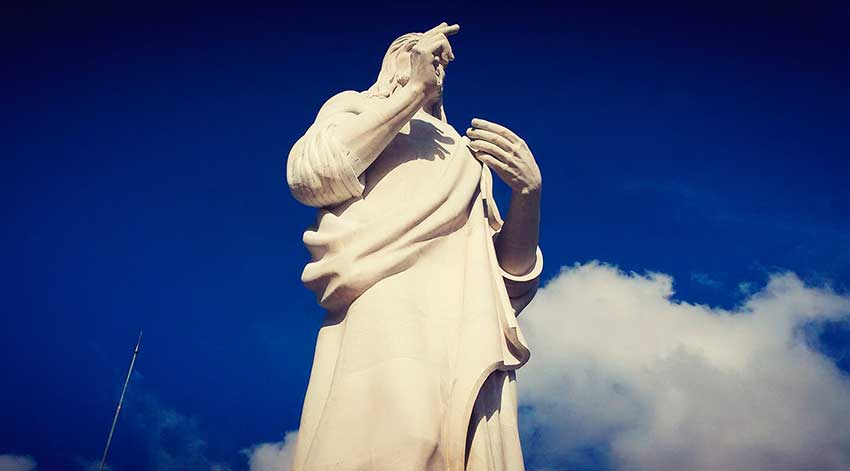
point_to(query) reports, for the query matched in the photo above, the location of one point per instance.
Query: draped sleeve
(522, 288)
(319, 169)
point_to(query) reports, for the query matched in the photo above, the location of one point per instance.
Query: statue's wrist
(416, 89)
(529, 191)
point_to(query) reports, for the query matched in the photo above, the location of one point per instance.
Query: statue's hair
(390, 77)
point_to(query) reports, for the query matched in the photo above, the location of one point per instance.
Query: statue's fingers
(490, 137)
(448, 30)
(448, 54)
(442, 48)
(443, 28)
(496, 128)
(490, 148)
(497, 165)
(435, 28)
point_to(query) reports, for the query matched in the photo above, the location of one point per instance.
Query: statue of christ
(420, 277)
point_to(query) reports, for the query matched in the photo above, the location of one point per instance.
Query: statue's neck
(435, 109)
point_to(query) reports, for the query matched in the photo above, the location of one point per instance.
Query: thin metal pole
(120, 402)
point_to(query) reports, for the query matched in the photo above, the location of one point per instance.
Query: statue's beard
(441, 76)
(402, 79)
(435, 108)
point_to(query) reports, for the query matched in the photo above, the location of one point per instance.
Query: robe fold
(414, 364)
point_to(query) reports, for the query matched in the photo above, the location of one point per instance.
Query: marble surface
(420, 276)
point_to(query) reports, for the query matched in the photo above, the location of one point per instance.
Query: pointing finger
(443, 28)
(436, 27)
(449, 30)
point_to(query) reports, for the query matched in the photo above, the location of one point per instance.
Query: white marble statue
(420, 276)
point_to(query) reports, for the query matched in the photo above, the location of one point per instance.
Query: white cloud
(17, 463)
(623, 376)
(272, 456)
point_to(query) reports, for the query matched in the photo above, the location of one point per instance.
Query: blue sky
(142, 181)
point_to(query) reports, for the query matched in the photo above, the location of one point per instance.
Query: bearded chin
(402, 79)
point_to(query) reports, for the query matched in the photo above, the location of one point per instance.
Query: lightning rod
(120, 402)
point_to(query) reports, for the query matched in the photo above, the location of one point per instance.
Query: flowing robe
(414, 363)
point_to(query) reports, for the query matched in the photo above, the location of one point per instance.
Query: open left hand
(506, 154)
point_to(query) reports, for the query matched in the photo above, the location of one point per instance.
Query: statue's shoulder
(347, 101)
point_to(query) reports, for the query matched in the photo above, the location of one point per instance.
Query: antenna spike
(120, 403)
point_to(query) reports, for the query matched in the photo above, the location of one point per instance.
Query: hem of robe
(515, 350)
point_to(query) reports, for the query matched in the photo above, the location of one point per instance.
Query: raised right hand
(430, 56)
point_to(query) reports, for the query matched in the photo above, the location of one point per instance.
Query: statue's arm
(517, 242)
(368, 133)
(517, 250)
(510, 158)
(326, 165)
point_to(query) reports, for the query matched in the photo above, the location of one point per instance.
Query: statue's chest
(417, 155)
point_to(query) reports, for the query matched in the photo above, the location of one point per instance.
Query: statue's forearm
(370, 132)
(516, 243)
